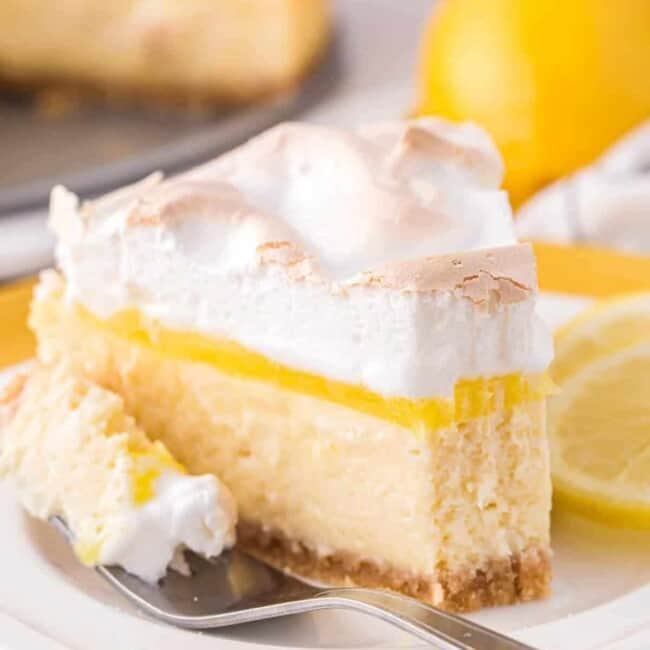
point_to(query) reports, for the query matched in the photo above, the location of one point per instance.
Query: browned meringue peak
(421, 141)
(506, 274)
(334, 206)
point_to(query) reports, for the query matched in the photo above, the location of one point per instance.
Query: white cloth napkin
(605, 204)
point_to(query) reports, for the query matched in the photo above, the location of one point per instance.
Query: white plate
(25, 244)
(49, 602)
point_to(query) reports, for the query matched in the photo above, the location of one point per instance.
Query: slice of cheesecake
(71, 451)
(342, 326)
(182, 51)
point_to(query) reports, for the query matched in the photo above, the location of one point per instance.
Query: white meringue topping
(324, 250)
(356, 201)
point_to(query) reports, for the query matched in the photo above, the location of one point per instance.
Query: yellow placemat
(587, 271)
(16, 341)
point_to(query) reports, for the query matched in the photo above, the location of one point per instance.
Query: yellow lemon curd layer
(590, 271)
(89, 551)
(147, 467)
(472, 397)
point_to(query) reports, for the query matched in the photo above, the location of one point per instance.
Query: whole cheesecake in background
(183, 51)
(340, 325)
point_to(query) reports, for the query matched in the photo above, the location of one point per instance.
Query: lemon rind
(597, 502)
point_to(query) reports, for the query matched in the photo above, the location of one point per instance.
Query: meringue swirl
(383, 257)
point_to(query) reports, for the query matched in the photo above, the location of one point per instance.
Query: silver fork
(235, 588)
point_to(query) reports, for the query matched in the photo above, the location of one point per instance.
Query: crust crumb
(502, 581)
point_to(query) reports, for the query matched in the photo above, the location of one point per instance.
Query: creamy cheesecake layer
(383, 258)
(435, 509)
(71, 451)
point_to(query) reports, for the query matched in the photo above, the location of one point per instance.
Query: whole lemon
(553, 81)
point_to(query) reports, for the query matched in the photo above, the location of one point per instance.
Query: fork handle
(443, 630)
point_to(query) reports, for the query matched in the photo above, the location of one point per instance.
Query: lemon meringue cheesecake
(179, 51)
(341, 325)
(71, 451)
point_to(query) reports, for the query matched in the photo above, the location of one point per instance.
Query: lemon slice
(599, 423)
(607, 327)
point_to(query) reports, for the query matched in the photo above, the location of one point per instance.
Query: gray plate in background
(93, 150)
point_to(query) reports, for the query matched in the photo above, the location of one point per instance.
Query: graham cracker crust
(503, 581)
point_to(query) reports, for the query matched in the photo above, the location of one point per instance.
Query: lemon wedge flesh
(599, 423)
(607, 327)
